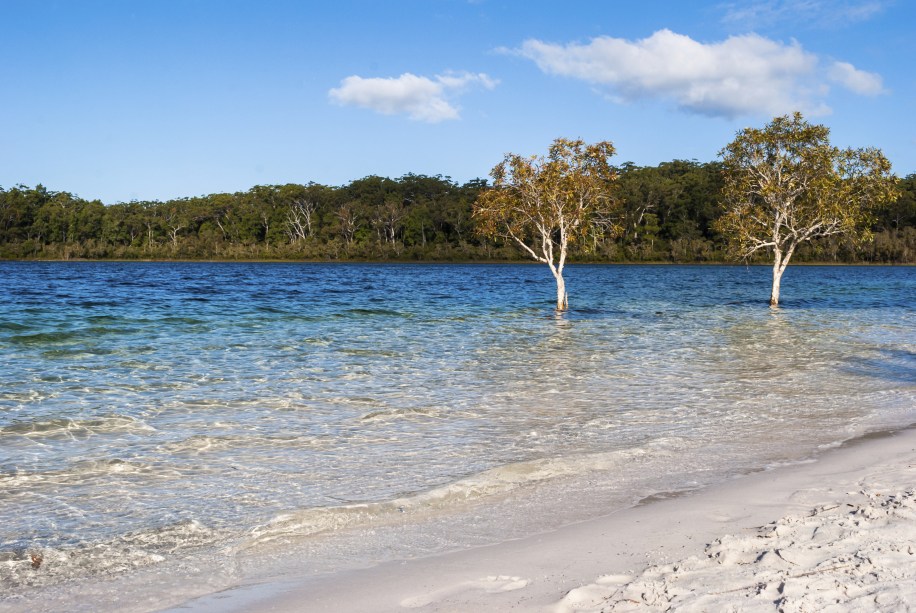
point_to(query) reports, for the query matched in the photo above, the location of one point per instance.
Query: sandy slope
(835, 534)
(857, 554)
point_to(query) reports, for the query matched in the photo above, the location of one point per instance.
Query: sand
(847, 556)
(834, 534)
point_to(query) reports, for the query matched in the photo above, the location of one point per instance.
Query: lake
(163, 424)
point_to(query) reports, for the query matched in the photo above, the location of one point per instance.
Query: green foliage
(786, 185)
(668, 211)
(435, 223)
(545, 203)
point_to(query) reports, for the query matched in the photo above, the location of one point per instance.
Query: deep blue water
(153, 410)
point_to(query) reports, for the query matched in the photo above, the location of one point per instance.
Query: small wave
(44, 338)
(382, 312)
(191, 321)
(99, 330)
(78, 352)
(389, 414)
(40, 565)
(496, 481)
(92, 304)
(270, 309)
(13, 326)
(106, 320)
(369, 352)
(70, 428)
(202, 443)
(353, 400)
(62, 337)
(81, 472)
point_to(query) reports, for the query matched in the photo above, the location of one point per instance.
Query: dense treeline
(666, 214)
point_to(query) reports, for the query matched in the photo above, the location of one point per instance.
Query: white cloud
(742, 75)
(813, 13)
(859, 81)
(421, 98)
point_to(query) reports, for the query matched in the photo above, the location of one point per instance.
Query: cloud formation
(853, 79)
(420, 98)
(823, 13)
(743, 75)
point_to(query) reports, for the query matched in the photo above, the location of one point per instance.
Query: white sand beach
(834, 534)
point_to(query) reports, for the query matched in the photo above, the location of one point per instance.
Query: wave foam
(496, 481)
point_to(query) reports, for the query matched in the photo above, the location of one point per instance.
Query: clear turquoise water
(152, 412)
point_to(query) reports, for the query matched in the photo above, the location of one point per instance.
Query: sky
(124, 100)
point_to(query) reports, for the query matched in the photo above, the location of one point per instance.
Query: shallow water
(154, 413)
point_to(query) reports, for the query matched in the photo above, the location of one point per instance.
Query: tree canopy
(785, 184)
(663, 213)
(543, 204)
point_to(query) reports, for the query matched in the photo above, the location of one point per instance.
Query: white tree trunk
(779, 267)
(547, 257)
(774, 294)
(562, 298)
(780, 263)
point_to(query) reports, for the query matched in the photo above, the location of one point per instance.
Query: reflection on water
(154, 410)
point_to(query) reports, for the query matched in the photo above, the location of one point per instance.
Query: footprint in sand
(589, 597)
(490, 585)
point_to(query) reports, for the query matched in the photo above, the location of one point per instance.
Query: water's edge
(178, 427)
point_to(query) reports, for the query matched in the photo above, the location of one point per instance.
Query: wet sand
(837, 533)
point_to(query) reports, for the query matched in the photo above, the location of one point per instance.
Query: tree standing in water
(785, 185)
(544, 204)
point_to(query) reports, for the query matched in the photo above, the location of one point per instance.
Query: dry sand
(836, 534)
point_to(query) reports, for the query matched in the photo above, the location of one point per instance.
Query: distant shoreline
(451, 262)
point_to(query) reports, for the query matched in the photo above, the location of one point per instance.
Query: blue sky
(127, 100)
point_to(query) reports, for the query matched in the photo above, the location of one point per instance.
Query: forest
(664, 213)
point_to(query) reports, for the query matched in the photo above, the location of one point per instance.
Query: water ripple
(153, 409)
